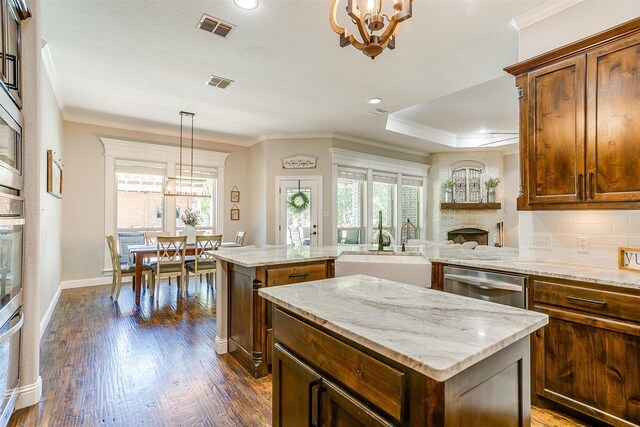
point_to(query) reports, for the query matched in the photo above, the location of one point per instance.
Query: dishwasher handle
(484, 283)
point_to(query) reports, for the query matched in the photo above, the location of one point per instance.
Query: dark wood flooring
(109, 364)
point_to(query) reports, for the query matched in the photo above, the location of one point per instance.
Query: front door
(299, 211)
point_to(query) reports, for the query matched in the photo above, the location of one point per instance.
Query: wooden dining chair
(204, 262)
(240, 237)
(170, 260)
(151, 236)
(120, 270)
(126, 239)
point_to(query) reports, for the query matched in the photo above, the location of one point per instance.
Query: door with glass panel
(299, 211)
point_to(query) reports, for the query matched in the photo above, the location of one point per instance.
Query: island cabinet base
(249, 315)
(323, 379)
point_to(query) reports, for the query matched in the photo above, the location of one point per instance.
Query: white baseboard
(47, 316)
(29, 394)
(222, 345)
(83, 283)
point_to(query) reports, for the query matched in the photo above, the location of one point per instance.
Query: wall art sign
(299, 161)
(629, 259)
(54, 175)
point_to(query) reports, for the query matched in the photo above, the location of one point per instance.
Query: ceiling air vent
(219, 82)
(377, 112)
(215, 26)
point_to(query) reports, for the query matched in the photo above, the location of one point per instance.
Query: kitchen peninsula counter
(443, 348)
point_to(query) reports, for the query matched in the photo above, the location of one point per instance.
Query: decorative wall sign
(235, 195)
(629, 259)
(299, 161)
(235, 213)
(54, 175)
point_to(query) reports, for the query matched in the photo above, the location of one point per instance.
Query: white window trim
(371, 163)
(119, 149)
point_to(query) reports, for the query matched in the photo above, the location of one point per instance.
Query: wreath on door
(298, 202)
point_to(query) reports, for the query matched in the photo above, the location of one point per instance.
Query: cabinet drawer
(296, 274)
(373, 380)
(613, 304)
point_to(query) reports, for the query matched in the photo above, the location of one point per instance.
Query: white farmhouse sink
(410, 269)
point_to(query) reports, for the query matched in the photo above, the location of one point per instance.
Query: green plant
(191, 217)
(447, 185)
(492, 182)
(298, 202)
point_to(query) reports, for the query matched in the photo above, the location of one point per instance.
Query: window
(384, 187)
(467, 184)
(205, 205)
(411, 203)
(139, 198)
(350, 205)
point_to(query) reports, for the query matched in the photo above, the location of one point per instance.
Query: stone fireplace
(469, 234)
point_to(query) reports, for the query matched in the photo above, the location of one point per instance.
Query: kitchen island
(369, 351)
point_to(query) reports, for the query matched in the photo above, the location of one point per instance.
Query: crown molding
(50, 70)
(541, 12)
(378, 144)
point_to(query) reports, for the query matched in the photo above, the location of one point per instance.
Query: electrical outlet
(540, 241)
(583, 244)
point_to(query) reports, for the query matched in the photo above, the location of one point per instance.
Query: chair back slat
(205, 246)
(126, 239)
(151, 236)
(171, 249)
(113, 250)
(240, 237)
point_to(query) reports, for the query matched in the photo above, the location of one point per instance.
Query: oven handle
(483, 283)
(14, 329)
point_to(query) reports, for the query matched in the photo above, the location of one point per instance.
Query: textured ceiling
(139, 62)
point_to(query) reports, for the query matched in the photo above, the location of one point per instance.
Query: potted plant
(491, 185)
(448, 191)
(191, 219)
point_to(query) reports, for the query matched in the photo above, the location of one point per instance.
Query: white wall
(257, 192)
(50, 206)
(606, 230)
(83, 242)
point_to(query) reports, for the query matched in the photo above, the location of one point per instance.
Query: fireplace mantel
(470, 206)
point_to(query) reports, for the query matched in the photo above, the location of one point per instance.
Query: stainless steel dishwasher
(507, 289)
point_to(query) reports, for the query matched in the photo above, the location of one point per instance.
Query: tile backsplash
(605, 232)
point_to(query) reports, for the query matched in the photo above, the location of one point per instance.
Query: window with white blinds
(139, 198)
(411, 204)
(351, 190)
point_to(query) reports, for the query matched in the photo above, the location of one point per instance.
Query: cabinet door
(589, 364)
(556, 132)
(613, 117)
(295, 390)
(340, 409)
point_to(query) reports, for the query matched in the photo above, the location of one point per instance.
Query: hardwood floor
(108, 364)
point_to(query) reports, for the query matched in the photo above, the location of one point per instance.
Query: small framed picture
(235, 213)
(629, 259)
(235, 195)
(54, 175)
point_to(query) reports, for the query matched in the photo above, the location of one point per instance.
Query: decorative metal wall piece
(467, 185)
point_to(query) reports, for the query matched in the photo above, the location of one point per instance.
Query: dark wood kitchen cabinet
(588, 357)
(12, 13)
(249, 315)
(580, 124)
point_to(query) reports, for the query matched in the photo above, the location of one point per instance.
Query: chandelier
(371, 22)
(181, 185)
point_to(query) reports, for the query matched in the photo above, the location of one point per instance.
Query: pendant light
(186, 186)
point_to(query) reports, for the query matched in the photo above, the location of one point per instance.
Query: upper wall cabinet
(13, 12)
(580, 124)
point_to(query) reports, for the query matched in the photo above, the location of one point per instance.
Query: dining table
(138, 253)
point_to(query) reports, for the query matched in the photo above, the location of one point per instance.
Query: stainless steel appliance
(507, 289)
(10, 149)
(11, 317)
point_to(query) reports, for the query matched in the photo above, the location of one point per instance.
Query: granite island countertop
(435, 333)
(502, 259)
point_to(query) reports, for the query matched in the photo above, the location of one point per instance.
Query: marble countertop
(503, 259)
(435, 333)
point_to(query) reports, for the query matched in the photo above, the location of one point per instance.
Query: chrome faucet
(380, 239)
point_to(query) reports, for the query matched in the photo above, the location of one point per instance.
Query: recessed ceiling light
(484, 131)
(375, 100)
(246, 4)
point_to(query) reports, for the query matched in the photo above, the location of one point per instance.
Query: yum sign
(629, 258)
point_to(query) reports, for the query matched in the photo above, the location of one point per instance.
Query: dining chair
(204, 262)
(126, 239)
(240, 237)
(169, 260)
(120, 270)
(151, 236)
(295, 236)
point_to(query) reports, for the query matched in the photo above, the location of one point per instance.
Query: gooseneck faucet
(380, 239)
